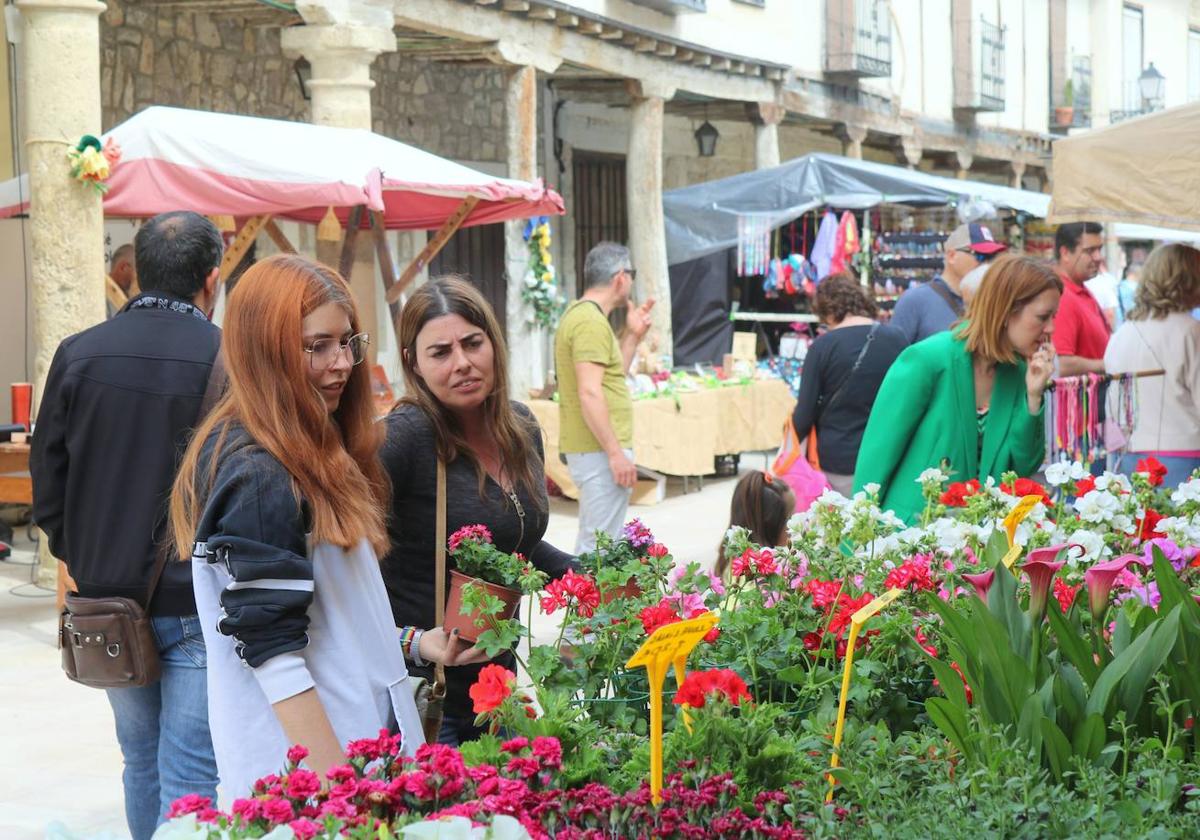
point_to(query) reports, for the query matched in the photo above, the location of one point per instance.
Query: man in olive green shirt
(596, 411)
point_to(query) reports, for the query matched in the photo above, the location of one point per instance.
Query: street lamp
(706, 137)
(1153, 86)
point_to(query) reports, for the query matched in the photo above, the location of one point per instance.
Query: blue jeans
(163, 728)
(456, 731)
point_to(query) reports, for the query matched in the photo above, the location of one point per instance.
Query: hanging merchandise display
(1090, 415)
(825, 245)
(845, 244)
(753, 245)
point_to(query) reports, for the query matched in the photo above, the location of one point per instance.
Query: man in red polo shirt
(1081, 331)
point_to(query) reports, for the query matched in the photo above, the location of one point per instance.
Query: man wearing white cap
(934, 306)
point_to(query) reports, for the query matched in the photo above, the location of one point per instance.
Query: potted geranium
(485, 585)
(616, 563)
(1064, 115)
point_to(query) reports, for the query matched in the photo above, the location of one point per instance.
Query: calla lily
(1099, 580)
(982, 583)
(1041, 566)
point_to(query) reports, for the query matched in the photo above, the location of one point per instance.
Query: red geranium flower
(824, 592)
(1148, 528)
(698, 685)
(494, 685)
(912, 573)
(1155, 471)
(1085, 485)
(846, 608)
(658, 550)
(1026, 487)
(572, 588)
(958, 492)
(754, 561)
(475, 533)
(1065, 593)
(657, 616)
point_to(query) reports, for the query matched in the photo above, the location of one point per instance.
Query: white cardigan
(1168, 407)
(353, 659)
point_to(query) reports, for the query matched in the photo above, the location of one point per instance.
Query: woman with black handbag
(842, 374)
(457, 416)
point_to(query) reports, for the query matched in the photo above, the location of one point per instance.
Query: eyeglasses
(632, 272)
(324, 352)
(978, 256)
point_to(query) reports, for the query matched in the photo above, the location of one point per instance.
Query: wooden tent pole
(434, 245)
(277, 236)
(241, 244)
(387, 269)
(352, 224)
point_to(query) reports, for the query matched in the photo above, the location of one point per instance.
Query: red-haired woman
(280, 504)
(457, 409)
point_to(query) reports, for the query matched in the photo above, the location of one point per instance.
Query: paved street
(56, 737)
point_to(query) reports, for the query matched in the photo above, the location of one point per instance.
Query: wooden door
(600, 210)
(477, 253)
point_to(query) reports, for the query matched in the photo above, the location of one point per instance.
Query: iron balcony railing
(858, 38)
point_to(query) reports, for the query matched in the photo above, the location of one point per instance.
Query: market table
(16, 487)
(684, 434)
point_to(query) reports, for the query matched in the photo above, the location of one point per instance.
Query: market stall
(682, 433)
(1142, 171)
(745, 233)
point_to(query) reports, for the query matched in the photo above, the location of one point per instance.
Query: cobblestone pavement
(56, 738)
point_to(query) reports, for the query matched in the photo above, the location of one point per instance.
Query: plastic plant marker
(1017, 515)
(667, 646)
(856, 624)
(1010, 556)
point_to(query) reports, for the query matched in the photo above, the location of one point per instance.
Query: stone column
(61, 43)
(527, 367)
(341, 55)
(643, 188)
(766, 117)
(908, 152)
(1018, 173)
(852, 137)
(964, 159)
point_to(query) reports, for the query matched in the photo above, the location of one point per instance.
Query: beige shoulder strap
(440, 571)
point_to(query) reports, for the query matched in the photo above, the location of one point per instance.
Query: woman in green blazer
(969, 400)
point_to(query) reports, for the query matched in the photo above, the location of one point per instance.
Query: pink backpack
(792, 466)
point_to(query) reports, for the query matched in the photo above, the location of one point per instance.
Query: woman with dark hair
(457, 410)
(762, 504)
(967, 401)
(1161, 334)
(279, 502)
(842, 373)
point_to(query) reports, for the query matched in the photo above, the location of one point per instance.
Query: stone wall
(157, 55)
(455, 112)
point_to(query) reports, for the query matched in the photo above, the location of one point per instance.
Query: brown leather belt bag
(108, 643)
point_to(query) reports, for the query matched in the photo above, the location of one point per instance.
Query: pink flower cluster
(469, 533)
(379, 787)
(574, 590)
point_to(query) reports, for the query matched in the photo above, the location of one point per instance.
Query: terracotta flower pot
(465, 624)
(1064, 115)
(629, 589)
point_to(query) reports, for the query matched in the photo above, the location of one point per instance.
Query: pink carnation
(277, 811)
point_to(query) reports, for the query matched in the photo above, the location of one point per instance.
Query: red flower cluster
(1154, 469)
(1085, 485)
(657, 551)
(1148, 527)
(824, 592)
(958, 492)
(721, 682)
(754, 561)
(474, 533)
(839, 608)
(913, 574)
(662, 614)
(493, 687)
(1023, 487)
(1065, 593)
(572, 588)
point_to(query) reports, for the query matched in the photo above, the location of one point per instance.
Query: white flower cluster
(1188, 491)
(932, 476)
(1182, 530)
(1060, 473)
(1097, 506)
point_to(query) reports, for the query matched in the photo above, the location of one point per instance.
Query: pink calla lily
(982, 583)
(1041, 566)
(1099, 580)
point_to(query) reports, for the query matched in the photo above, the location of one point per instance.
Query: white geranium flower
(186, 828)
(1113, 482)
(1181, 530)
(1097, 506)
(1063, 471)
(1122, 523)
(1092, 544)
(832, 497)
(1188, 491)
(932, 476)
(951, 534)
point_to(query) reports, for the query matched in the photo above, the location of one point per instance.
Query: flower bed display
(1054, 698)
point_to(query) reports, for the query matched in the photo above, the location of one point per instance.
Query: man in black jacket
(120, 402)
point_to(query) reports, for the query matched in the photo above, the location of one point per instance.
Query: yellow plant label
(856, 623)
(667, 647)
(1011, 556)
(1017, 515)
